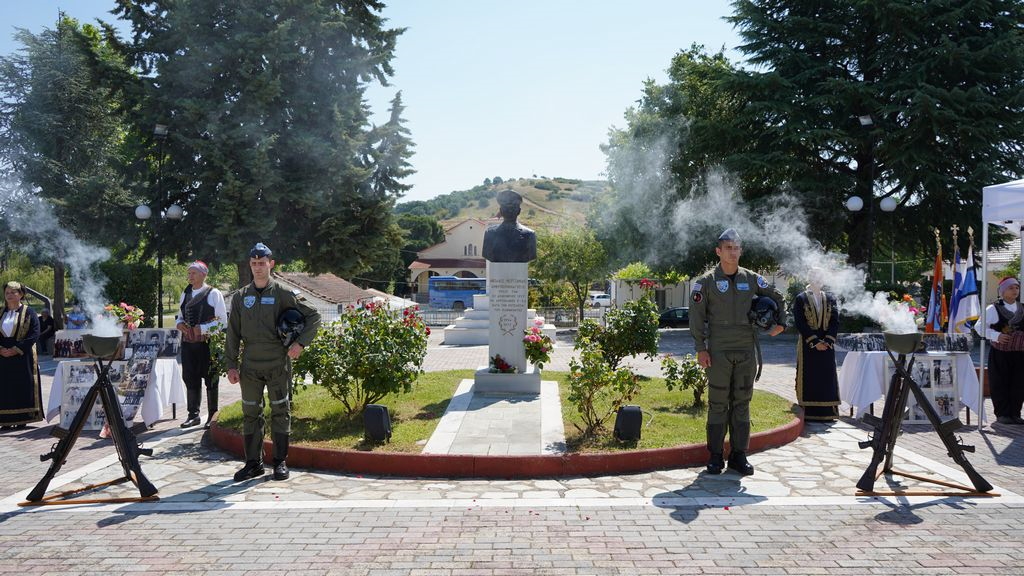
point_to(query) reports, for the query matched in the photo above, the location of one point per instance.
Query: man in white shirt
(201, 310)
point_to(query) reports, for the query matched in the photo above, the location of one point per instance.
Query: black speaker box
(377, 423)
(627, 423)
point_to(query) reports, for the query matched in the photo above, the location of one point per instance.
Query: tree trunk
(244, 273)
(58, 295)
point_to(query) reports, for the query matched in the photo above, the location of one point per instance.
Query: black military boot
(715, 464)
(280, 454)
(738, 462)
(252, 469)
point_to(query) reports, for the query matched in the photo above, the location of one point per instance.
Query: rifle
(887, 428)
(128, 450)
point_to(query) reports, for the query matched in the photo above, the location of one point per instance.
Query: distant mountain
(548, 203)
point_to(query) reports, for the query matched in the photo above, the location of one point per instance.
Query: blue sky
(503, 88)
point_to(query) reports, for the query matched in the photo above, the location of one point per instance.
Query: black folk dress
(21, 393)
(817, 383)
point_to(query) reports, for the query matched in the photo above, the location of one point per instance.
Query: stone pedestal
(473, 327)
(507, 292)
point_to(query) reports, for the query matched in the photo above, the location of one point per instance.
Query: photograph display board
(68, 344)
(936, 374)
(166, 341)
(130, 379)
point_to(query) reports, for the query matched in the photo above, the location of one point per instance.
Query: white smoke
(780, 229)
(32, 217)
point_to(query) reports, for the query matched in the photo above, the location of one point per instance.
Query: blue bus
(454, 293)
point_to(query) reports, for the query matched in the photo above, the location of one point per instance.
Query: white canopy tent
(1002, 205)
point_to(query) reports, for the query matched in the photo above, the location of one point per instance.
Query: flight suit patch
(249, 301)
(762, 282)
(267, 300)
(742, 286)
(722, 285)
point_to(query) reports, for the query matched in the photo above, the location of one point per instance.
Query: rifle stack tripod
(128, 450)
(887, 428)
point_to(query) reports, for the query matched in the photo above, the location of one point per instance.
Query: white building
(461, 254)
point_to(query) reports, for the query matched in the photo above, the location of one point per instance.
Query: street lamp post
(173, 212)
(887, 204)
(856, 203)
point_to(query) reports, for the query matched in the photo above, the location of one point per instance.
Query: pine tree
(264, 100)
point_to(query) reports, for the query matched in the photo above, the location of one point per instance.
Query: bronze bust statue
(510, 241)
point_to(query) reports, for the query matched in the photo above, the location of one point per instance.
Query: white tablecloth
(165, 388)
(864, 376)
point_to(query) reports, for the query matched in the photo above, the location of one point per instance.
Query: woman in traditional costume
(21, 392)
(816, 316)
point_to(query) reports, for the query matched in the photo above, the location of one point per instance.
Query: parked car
(600, 300)
(675, 318)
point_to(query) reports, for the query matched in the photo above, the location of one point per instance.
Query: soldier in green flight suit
(725, 341)
(265, 362)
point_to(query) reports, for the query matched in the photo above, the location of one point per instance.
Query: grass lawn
(669, 420)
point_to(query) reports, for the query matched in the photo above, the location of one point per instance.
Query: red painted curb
(481, 466)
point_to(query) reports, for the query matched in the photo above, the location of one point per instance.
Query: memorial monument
(508, 249)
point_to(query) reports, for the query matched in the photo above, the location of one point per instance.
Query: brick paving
(796, 515)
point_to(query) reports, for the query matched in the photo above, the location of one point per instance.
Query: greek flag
(966, 302)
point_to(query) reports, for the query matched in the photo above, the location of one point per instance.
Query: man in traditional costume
(1004, 329)
(201, 310)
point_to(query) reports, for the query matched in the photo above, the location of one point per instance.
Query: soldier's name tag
(266, 300)
(743, 286)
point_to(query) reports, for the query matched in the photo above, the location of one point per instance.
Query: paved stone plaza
(796, 515)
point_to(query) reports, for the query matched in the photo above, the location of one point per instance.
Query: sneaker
(715, 464)
(738, 462)
(281, 471)
(190, 422)
(252, 469)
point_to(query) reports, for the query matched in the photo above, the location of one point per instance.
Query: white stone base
(454, 335)
(523, 383)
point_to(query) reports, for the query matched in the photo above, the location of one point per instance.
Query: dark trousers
(1006, 382)
(195, 367)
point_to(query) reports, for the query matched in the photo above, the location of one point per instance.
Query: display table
(864, 377)
(165, 388)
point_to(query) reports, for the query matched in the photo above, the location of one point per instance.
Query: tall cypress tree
(63, 138)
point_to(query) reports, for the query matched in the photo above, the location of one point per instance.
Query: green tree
(62, 139)
(573, 256)
(269, 136)
(940, 82)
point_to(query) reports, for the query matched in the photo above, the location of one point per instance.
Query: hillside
(548, 203)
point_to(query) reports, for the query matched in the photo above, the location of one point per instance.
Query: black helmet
(290, 324)
(764, 312)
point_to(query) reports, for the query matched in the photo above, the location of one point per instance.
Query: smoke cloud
(33, 218)
(780, 229)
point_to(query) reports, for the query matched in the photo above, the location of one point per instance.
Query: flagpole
(981, 318)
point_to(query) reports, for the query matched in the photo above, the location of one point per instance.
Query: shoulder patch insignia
(697, 286)
(697, 297)
(761, 281)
